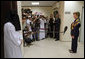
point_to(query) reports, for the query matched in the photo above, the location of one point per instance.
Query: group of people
(40, 27)
(54, 26)
(34, 28)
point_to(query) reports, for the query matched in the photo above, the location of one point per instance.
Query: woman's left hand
(72, 37)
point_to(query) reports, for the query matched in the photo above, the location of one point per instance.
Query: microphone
(65, 29)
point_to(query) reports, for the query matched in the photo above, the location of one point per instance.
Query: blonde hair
(77, 13)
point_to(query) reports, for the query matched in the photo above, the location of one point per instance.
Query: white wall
(20, 17)
(82, 28)
(70, 6)
(45, 10)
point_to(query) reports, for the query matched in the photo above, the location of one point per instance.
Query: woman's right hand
(21, 42)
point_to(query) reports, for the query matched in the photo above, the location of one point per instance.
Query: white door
(82, 28)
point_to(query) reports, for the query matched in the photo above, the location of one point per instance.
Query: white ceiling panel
(41, 3)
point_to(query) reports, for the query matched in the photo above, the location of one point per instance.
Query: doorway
(82, 27)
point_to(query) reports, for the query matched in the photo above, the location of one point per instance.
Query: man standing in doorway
(51, 25)
(57, 25)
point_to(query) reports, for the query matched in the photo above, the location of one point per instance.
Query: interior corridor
(47, 47)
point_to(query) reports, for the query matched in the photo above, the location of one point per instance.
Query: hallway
(49, 48)
(40, 13)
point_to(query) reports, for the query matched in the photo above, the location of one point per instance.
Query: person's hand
(32, 32)
(35, 17)
(72, 37)
(21, 41)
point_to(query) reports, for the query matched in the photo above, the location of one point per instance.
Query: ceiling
(41, 3)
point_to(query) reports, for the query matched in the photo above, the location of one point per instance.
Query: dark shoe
(33, 39)
(37, 40)
(56, 40)
(43, 38)
(54, 37)
(71, 51)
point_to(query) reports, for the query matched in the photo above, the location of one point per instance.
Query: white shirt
(28, 24)
(42, 23)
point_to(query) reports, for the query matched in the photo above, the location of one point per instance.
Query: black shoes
(72, 51)
(56, 40)
(33, 40)
(37, 40)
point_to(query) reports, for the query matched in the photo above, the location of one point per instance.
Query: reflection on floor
(49, 48)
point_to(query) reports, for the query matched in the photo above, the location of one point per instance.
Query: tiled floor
(49, 48)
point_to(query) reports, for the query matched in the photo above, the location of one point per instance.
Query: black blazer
(75, 27)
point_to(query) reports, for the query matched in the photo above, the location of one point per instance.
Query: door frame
(81, 23)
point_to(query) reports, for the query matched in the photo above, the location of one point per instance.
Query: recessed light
(35, 3)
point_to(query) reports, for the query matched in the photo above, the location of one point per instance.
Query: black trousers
(57, 36)
(74, 44)
(27, 41)
(51, 31)
(35, 36)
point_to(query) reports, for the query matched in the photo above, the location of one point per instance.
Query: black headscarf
(13, 17)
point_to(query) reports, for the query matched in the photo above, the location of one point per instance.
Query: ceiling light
(35, 3)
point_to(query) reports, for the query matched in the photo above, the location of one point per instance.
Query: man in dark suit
(51, 26)
(57, 26)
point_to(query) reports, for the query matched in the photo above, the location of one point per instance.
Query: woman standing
(75, 32)
(12, 36)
